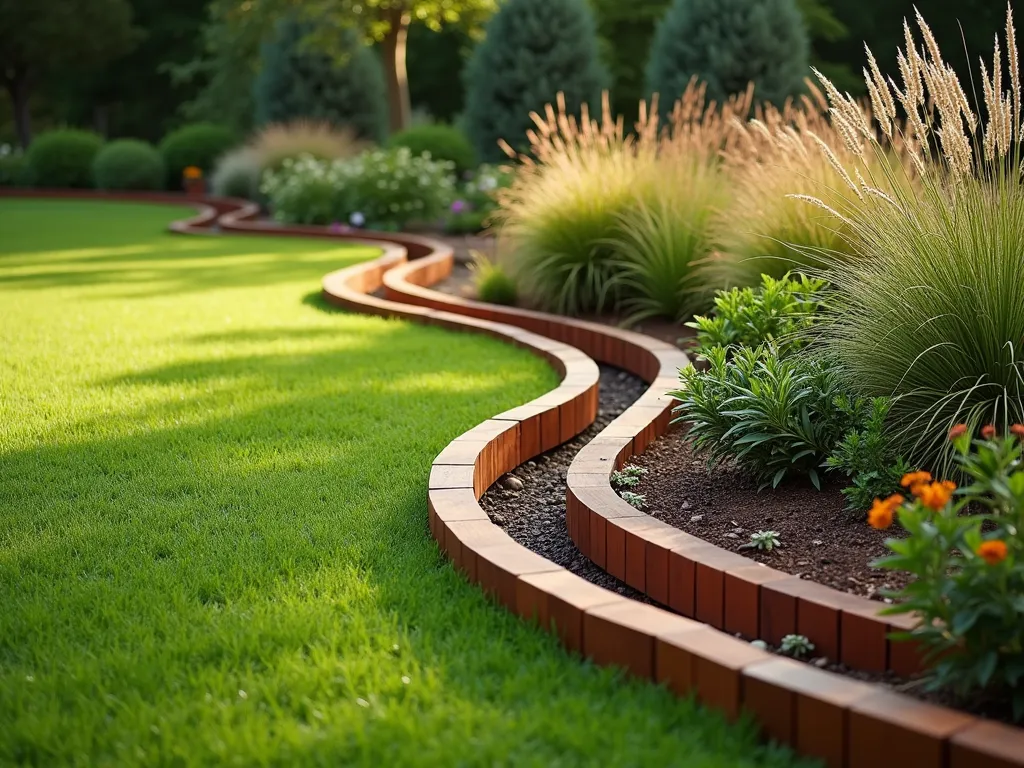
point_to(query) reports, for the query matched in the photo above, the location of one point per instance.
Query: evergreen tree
(728, 44)
(296, 81)
(532, 50)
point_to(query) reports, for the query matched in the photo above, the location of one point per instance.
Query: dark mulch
(821, 541)
(535, 514)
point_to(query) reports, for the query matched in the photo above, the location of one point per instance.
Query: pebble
(513, 483)
(817, 542)
(696, 518)
(821, 662)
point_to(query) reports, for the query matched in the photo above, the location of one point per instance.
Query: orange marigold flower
(988, 431)
(935, 495)
(881, 513)
(1018, 431)
(915, 478)
(193, 172)
(992, 552)
(957, 431)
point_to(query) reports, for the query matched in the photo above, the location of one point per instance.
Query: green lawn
(213, 543)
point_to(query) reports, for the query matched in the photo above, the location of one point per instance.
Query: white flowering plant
(379, 189)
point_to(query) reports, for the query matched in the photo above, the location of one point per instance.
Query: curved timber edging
(842, 721)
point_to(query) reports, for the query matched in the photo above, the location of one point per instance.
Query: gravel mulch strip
(529, 503)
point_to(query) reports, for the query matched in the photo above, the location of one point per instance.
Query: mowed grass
(213, 543)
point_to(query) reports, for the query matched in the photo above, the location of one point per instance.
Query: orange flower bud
(988, 431)
(912, 479)
(957, 431)
(992, 552)
(1017, 430)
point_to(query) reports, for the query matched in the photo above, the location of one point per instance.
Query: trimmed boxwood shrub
(129, 164)
(63, 158)
(295, 82)
(199, 144)
(728, 44)
(443, 142)
(534, 49)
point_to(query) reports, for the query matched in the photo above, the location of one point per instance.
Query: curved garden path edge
(844, 722)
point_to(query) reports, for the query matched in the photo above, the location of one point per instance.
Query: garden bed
(820, 539)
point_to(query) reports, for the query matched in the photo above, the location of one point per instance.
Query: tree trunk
(18, 88)
(393, 50)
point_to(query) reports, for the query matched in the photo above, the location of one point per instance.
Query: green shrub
(298, 82)
(928, 309)
(380, 189)
(868, 458)
(199, 145)
(493, 283)
(442, 142)
(774, 416)
(533, 50)
(780, 312)
(129, 164)
(63, 158)
(14, 169)
(728, 44)
(966, 553)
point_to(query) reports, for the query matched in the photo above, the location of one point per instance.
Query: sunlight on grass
(213, 543)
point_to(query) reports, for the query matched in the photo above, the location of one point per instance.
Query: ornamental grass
(928, 306)
(598, 219)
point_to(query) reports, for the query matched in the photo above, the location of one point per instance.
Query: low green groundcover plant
(493, 283)
(213, 507)
(63, 158)
(379, 189)
(965, 549)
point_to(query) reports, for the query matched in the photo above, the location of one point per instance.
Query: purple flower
(335, 227)
(459, 206)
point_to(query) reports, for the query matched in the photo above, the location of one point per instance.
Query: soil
(535, 514)
(821, 541)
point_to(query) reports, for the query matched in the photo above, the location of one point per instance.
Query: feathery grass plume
(319, 139)
(590, 204)
(928, 305)
(787, 156)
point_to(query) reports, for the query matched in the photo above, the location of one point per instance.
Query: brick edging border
(845, 722)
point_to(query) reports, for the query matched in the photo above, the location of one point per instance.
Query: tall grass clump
(766, 229)
(928, 305)
(600, 220)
